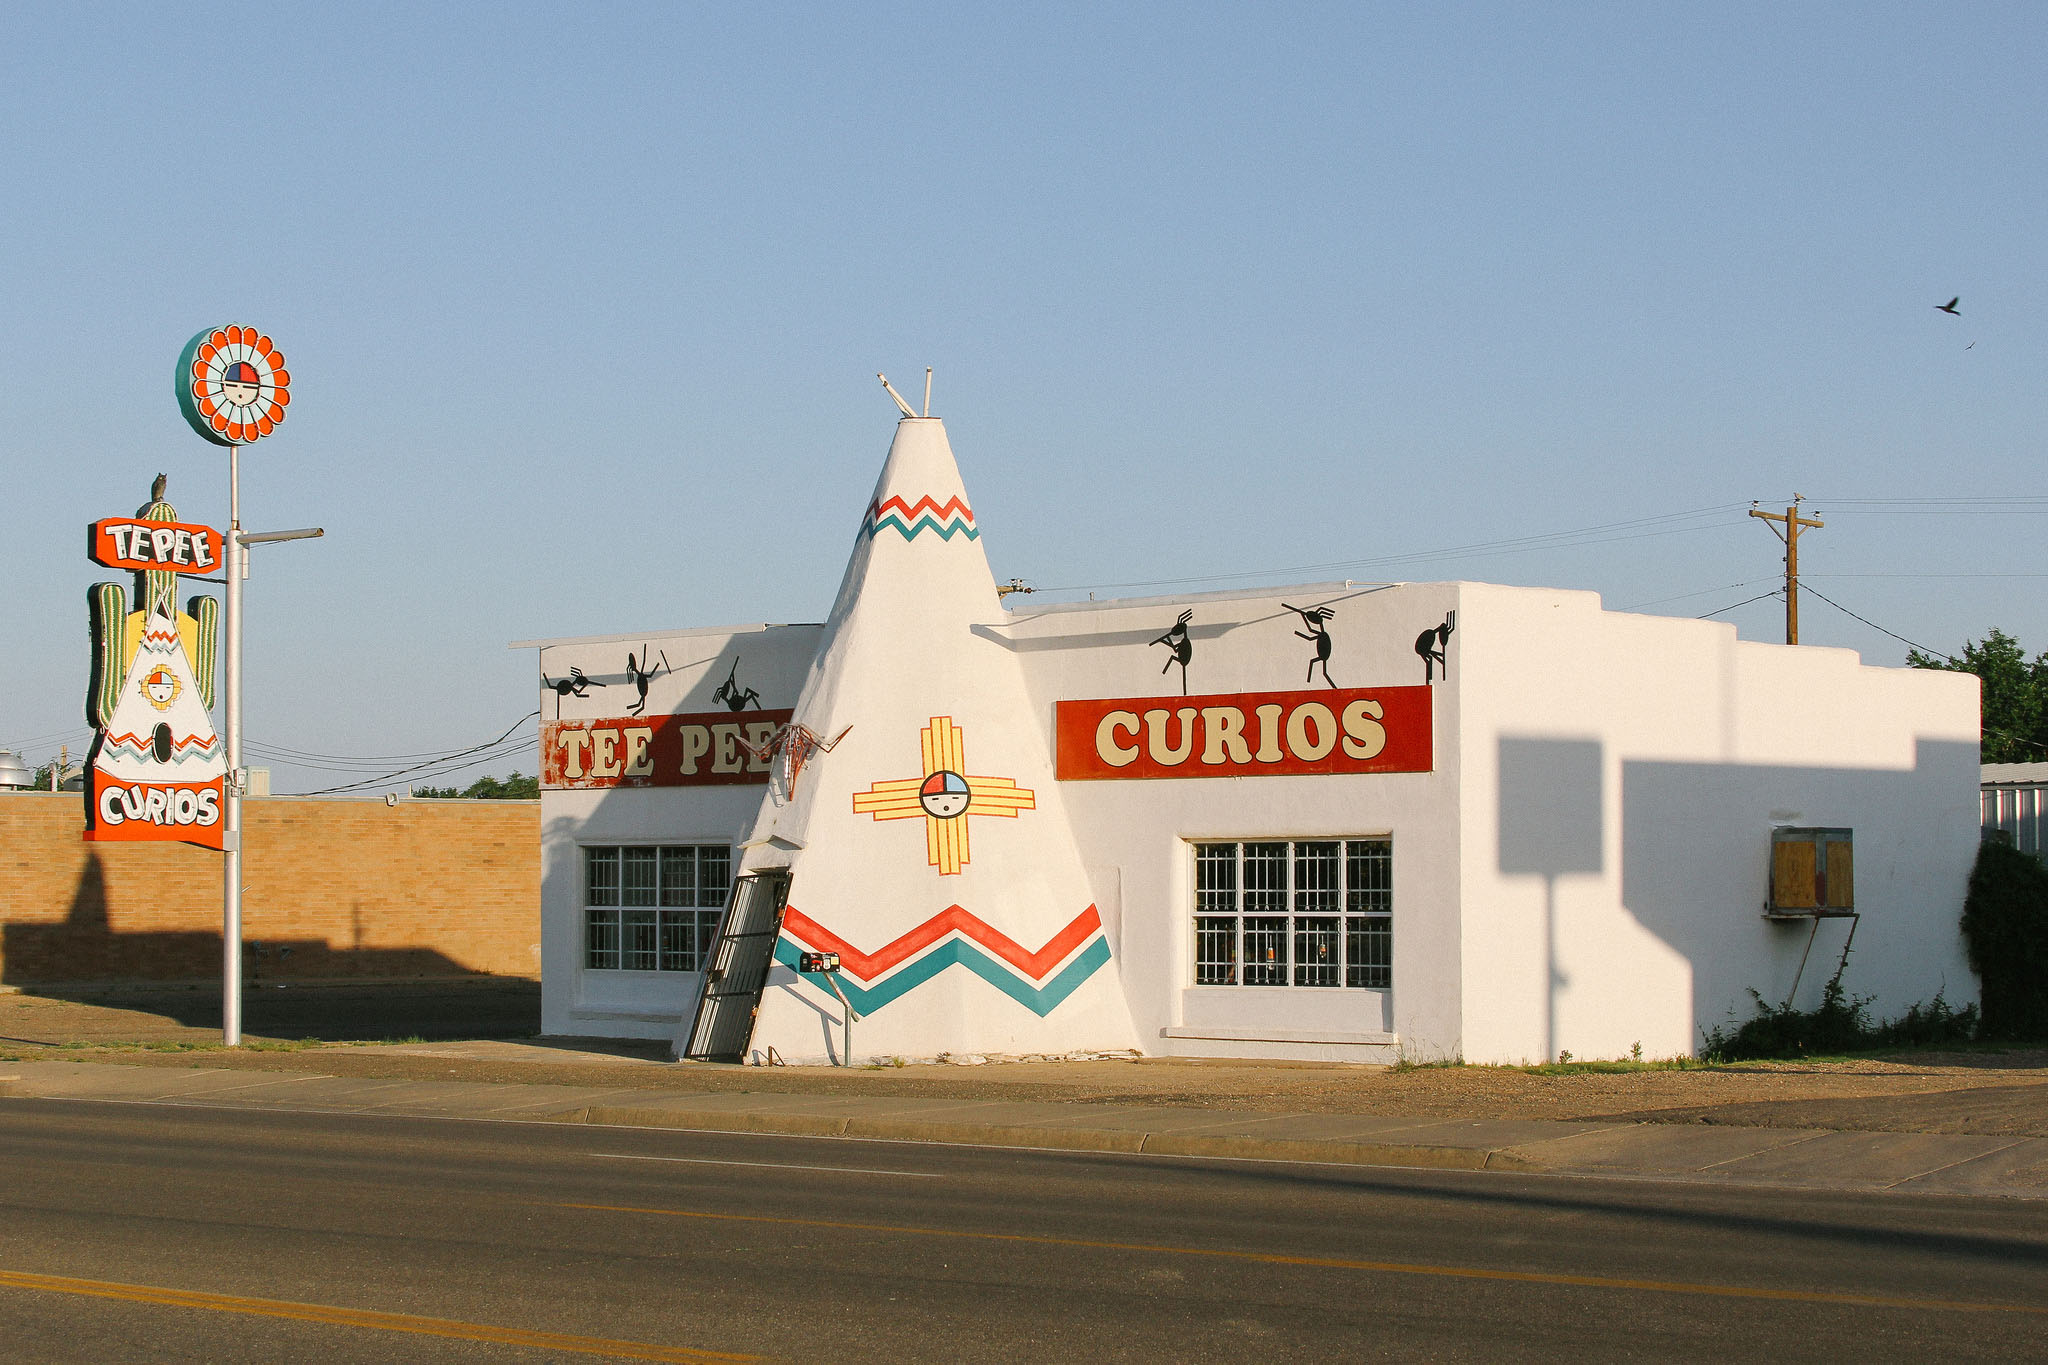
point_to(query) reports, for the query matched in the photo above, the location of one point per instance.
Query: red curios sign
(188, 812)
(657, 751)
(1250, 734)
(153, 546)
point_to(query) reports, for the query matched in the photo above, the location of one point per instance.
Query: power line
(1680, 597)
(429, 772)
(1774, 592)
(1636, 528)
(21, 745)
(2033, 574)
(507, 752)
(437, 763)
(1996, 506)
(370, 759)
(1932, 653)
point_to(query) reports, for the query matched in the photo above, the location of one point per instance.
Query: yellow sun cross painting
(944, 796)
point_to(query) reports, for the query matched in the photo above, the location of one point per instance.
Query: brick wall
(331, 889)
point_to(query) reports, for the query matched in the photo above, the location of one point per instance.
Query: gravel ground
(1970, 1092)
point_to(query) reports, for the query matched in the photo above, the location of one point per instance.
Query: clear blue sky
(583, 309)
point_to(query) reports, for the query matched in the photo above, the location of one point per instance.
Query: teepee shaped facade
(929, 847)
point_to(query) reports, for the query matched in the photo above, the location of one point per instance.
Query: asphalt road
(141, 1233)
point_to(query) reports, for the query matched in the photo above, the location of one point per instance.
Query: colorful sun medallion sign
(232, 385)
(157, 770)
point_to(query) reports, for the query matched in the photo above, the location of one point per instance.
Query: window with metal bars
(1301, 912)
(652, 908)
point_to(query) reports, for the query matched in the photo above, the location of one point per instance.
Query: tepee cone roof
(930, 847)
(159, 689)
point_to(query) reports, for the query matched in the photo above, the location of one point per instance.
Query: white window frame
(1290, 921)
(655, 925)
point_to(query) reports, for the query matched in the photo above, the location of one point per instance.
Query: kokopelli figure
(575, 685)
(1183, 648)
(1430, 647)
(641, 672)
(734, 697)
(1318, 633)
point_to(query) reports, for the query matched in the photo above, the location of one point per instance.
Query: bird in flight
(1950, 306)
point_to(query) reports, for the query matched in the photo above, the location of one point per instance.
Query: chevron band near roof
(910, 519)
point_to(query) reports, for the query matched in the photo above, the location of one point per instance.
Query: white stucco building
(1334, 821)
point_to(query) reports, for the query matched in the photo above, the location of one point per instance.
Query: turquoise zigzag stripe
(1040, 1000)
(947, 529)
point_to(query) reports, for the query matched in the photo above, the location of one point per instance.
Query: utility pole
(1790, 535)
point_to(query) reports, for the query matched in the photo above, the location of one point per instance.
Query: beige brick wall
(332, 889)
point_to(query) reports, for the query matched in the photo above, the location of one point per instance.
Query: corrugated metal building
(2015, 797)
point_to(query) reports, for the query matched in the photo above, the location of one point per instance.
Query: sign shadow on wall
(1675, 818)
(82, 956)
(1550, 827)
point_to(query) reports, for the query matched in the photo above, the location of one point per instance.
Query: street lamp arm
(267, 537)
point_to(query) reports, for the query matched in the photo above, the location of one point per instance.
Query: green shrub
(1840, 1024)
(2005, 923)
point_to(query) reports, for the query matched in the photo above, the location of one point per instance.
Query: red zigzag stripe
(910, 510)
(139, 742)
(870, 966)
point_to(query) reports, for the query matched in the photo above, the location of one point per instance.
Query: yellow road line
(357, 1317)
(1726, 1291)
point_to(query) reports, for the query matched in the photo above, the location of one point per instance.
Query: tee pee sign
(157, 770)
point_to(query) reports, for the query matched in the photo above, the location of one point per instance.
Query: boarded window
(1812, 871)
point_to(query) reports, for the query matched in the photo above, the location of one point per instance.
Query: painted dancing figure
(1314, 618)
(640, 674)
(1429, 646)
(1183, 648)
(575, 685)
(730, 694)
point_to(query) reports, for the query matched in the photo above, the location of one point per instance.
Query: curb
(1057, 1139)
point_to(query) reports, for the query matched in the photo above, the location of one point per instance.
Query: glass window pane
(1265, 877)
(1315, 950)
(636, 876)
(1369, 875)
(714, 875)
(1216, 878)
(638, 952)
(1265, 950)
(601, 876)
(707, 936)
(1216, 950)
(678, 876)
(679, 941)
(601, 939)
(1369, 951)
(1307, 913)
(1315, 877)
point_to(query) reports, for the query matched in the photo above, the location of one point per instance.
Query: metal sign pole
(233, 388)
(231, 706)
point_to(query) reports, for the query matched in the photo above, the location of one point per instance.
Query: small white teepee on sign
(929, 848)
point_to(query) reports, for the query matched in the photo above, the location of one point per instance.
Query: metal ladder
(740, 959)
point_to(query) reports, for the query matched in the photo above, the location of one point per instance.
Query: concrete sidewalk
(1806, 1158)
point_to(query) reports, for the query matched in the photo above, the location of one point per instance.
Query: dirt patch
(2004, 1093)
